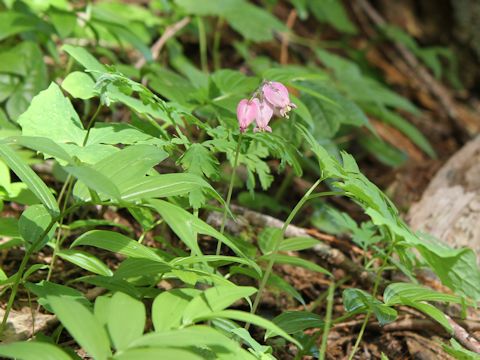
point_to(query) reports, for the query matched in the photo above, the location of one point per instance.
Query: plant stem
(374, 294)
(268, 271)
(90, 124)
(19, 274)
(229, 193)
(328, 320)
(202, 35)
(216, 43)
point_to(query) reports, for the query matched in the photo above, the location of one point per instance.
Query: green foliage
(154, 144)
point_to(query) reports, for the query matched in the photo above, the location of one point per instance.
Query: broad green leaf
(134, 267)
(214, 299)
(295, 321)
(164, 185)
(87, 60)
(94, 179)
(333, 13)
(44, 289)
(126, 320)
(63, 21)
(111, 283)
(115, 242)
(168, 308)
(51, 115)
(195, 336)
(33, 350)
(186, 226)
(298, 243)
(25, 61)
(79, 85)
(42, 144)
(395, 293)
(356, 300)
(267, 239)
(12, 23)
(223, 260)
(33, 223)
(86, 261)
(28, 176)
(254, 319)
(155, 353)
(432, 312)
(296, 261)
(459, 352)
(82, 325)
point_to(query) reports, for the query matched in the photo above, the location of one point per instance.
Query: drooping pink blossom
(247, 111)
(264, 116)
(277, 95)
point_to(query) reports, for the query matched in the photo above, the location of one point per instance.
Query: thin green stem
(20, 272)
(202, 35)
(374, 294)
(216, 43)
(328, 320)
(268, 271)
(90, 124)
(229, 193)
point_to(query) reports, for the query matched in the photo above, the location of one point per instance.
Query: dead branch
(169, 32)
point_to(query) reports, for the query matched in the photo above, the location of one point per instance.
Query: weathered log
(450, 206)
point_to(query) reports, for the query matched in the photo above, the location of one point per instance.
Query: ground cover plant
(147, 151)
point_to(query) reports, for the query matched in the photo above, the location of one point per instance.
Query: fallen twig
(169, 32)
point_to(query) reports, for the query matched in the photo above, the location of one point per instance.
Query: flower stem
(90, 124)
(229, 193)
(268, 271)
(216, 43)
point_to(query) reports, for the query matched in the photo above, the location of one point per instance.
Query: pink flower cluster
(272, 98)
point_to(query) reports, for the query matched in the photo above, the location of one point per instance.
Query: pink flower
(247, 111)
(264, 116)
(277, 95)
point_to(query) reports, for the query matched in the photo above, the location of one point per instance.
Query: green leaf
(83, 57)
(33, 350)
(459, 352)
(200, 161)
(298, 243)
(134, 267)
(94, 179)
(82, 325)
(186, 226)
(126, 320)
(214, 299)
(63, 21)
(198, 337)
(33, 181)
(296, 261)
(168, 308)
(267, 239)
(86, 261)
(295, 321)
(33, 223)
(254, 319)
(115, 242)
(12, 23)
(51, 115)
(41, 144)
(155, 353)
(333, 13)
(432, 312)
(356, 300)
(79, 85)
(44, 289)
(164, 185)
(395, 294)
